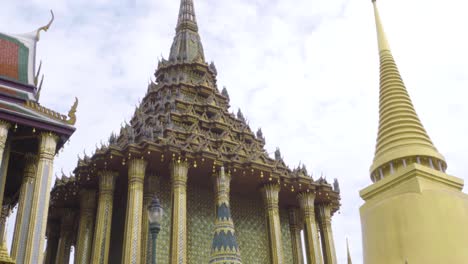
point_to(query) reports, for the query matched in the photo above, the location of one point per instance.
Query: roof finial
(46, 27)
(401, 133)
(187, 19)
(72, 113)
(383, 42)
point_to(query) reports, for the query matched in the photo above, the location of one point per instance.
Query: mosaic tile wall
(249, 220)
(163, 242)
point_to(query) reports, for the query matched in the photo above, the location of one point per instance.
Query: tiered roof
(184, 116)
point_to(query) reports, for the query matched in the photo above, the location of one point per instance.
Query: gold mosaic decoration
(200, 223)
(248, 215)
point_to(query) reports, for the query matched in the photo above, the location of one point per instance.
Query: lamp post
(155, 213)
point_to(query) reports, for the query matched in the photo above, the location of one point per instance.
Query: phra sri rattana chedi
(414, 212)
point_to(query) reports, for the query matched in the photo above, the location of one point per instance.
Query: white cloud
(305, 71)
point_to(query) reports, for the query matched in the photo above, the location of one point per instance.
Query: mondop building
(186, 181)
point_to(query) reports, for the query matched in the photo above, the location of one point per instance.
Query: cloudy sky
(305, 71)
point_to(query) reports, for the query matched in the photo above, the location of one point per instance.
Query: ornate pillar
(306, 201)
(20, 237)
(295, 229)
(179, 171)
(328, 245)
(40, 200)
(86, 226)
(100, 252)
(132, 235)
(4, 256)
(270, 197)
(53, 234)
(4, 156)
(5, 212)
(66, 237)
(224, 248)
(149, 191)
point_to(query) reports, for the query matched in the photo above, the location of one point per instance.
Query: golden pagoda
(225, 200)
(414, 212)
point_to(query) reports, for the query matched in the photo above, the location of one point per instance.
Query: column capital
(179, 170)
(30, 158)
(87, 199)
(270, 193)
(306, 201)
(107, 180)
(47, 145)
(136, 170)
(67, 220)
(30, 166)
(294, 218)
(324, 213)
(4, 124)
(4, 127)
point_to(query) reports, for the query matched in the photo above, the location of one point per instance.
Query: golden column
(86, 226)
(306, 201)
(132, 235)
(20, 236)
(100, 252)
(40, 201)
(270, 197)
(4, 157)
(149, 191)
(53, 235)
(328, 245)
(179, 171)
(295, 229)
(66, 236)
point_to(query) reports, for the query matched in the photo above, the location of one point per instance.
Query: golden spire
(401, 137)
(187, 18)
(187, 46)
(349, 255)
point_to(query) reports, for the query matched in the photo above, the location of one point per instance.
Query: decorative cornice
(49, 113)
(387, 184)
